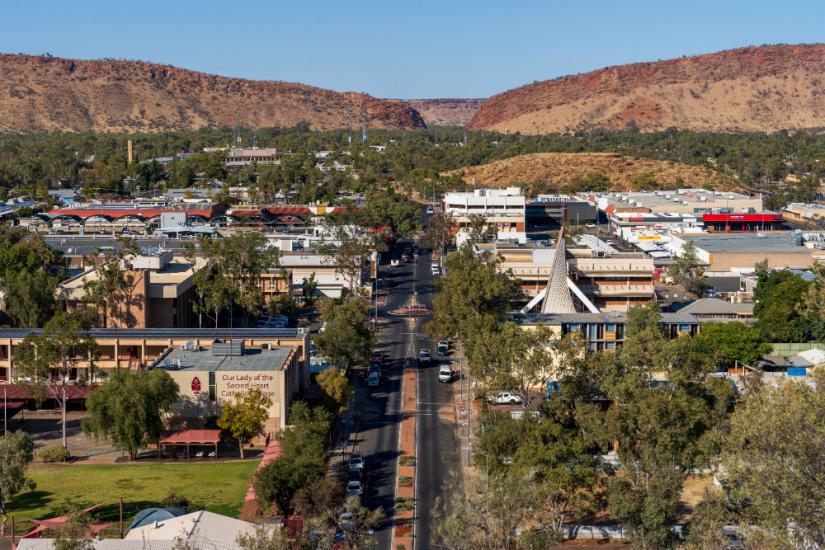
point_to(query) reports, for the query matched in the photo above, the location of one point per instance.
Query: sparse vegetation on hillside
(554, 172)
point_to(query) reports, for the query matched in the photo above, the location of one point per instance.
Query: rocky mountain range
(446, 112)
(764, 89)
(50, 93)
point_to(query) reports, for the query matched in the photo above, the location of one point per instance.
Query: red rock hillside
(49, 93)
(764, 88)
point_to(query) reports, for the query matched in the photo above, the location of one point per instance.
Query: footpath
(404, 526)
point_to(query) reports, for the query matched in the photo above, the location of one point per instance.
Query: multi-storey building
(501, 211)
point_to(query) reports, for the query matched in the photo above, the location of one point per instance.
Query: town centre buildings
(210, 378)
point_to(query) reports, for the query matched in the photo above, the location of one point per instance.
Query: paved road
(378, 409)
(437, 446)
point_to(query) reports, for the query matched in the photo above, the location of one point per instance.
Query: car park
(505, 398)
(424, 356)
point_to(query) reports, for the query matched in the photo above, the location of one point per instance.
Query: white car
(505, 398)
(445, 373)
(436, 272)
(354, 488)
(395, 262)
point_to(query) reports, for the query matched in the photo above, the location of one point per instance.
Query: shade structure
(191, 437)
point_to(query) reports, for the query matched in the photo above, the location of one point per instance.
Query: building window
(213, 392)
(610, 345)
(610, 327)
(684, 328)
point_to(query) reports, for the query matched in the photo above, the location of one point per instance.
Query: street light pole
(5, 412)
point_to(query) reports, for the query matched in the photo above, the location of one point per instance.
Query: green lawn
(220, 487)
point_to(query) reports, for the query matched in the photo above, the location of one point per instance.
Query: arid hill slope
(49, 93)
(558, 169)
(764, 88)
(446, 112)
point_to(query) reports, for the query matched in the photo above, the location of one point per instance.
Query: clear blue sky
(412, 48)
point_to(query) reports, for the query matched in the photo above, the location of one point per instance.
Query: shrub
(404, 481)
(407, 460)
(55, 453)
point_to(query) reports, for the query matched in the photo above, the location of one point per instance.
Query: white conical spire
(557, 298)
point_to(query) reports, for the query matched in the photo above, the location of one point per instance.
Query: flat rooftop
(743, 243)
(252, 359)
(657, 199)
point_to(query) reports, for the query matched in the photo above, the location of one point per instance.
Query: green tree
(15, 456)
(730, 343)
(779, 305)
(129, 409)
(773, 457)
(244, 417)
(439, 232)
(389, 209)
(235, 264)
(114, 290)
(351, 253)
(76, 533)
(337, 390)
(51, 357)
(814, 305)
(347, 338)
(513, 359)
(29, 274)
(471, 298)
(485, 517)
(309, 286)
(685, 270)
(302, 461)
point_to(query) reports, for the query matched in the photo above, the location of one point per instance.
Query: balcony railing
(618, 290)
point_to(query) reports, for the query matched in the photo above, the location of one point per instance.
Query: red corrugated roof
(21, 392)
(193, 437)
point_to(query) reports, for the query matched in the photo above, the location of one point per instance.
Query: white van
(445, 374)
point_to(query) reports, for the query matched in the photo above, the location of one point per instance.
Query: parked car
(445, 374)
(373, 379)
(395, 262)
(355, 463)
(354, 488)
(435, 272)
(424, 356)
(377, 356)
(504, 398)
(375, 366)
(443, 347)
(430, 210)
(405, 257)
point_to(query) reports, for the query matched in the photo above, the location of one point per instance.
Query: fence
(792, 348)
